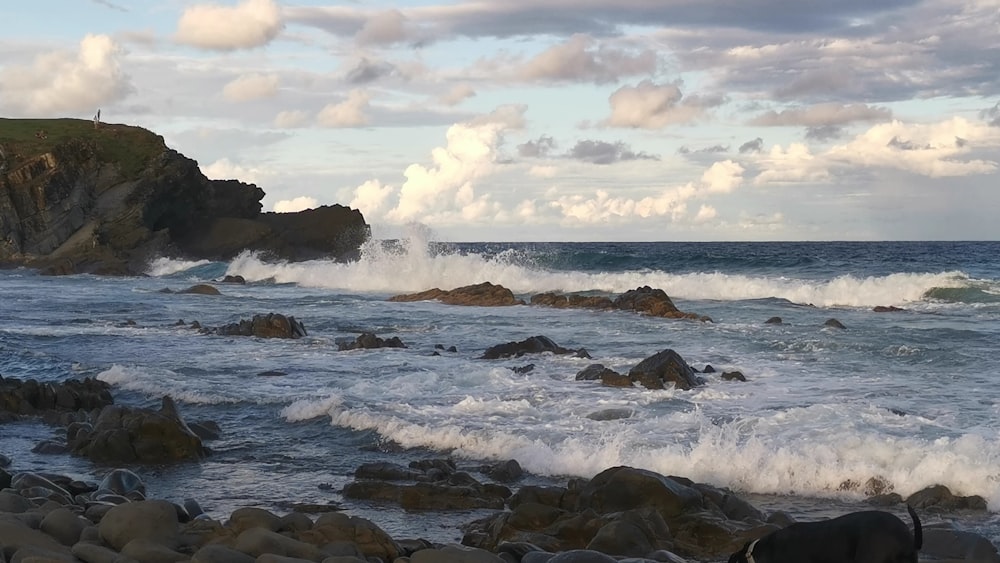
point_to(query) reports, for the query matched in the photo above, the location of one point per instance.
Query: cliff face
(75, 198)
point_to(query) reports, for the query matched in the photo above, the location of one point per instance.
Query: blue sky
(552, 120)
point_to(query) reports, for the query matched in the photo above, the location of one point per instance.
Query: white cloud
(457, 94)
(580, 58)
(254, 86)
(383, 28)
(62, 82)
(293, 205)
(225, 169)
(291, 119)
(370, 198)
(543, 171)
(705, 214)
(348, 113)
(793, 165)
(250, 24)
(935, 150)
(722, 177)
(653, 106)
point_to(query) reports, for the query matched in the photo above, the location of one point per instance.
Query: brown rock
(483, 295)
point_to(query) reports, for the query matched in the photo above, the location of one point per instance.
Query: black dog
(871, 536)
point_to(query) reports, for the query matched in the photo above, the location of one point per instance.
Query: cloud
(370, 198)
(721, 177)
(250, 87)
(793, 165)
(934, 150)
(369, 71)
(225, 169)
(61, 82)
(386, 28)
(602, 152)
(714, 149)
(580, 59)
(705, 214)
(293, 205)
(252, 23)
(348, 113)
(754, 145)
(444, 191)
(111, 5)
(291, 119)
(991, 115)
(457, 94)
(539, 148)
(822, 115)
(653, 106)
(824, 132)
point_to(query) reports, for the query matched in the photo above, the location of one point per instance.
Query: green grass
(130, 148)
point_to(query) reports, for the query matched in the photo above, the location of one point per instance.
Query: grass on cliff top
(130, 148)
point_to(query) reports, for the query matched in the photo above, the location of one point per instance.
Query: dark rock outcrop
(126, 435)
(663, 368)
(483, 294)
(368, 340)
(425, 485)
(532, 345)
(271, 325)
(105, 200)
(30, 397)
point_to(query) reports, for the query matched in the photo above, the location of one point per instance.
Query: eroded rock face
(123, 435)
(106, 200)
(484, 294)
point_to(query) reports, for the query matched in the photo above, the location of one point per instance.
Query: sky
(552, 120)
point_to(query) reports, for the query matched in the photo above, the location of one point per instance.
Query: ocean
(911, 397)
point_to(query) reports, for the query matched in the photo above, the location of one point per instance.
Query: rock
(504, 472)
(202, 289)
(532, 345)
(246, 518)
(735, 375)
(146, 551)
(271, 325)
(943, 543)
(218, 553)
(664, 367)
(632, 533)
(561, 301)
(110, 200)
(653, 302)
(454, 553)
(773, 321)
(123, 435)
(939, 496)
(370, 540)
(368, 341)
(94, 553)
(834, 323)
(521, 370)
(123, 482)
(612, 414)
(152, 520)
(624, 488)
(63, 525)
(582, 556)
(237, 279)
(258, 541)
(887, 309)
(481, 295)
(30, 397)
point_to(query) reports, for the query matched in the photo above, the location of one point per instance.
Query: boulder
(572, 301)
(152, 520)
(664, 367)
(368, 341)
(653, 302)
(482, 295)
(271, 325)
(126, 435)
(30, 397)
(532, 345)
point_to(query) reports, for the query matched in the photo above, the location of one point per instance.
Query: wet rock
(484, 294)
(734, 375)
(504, 472)
(369, 341)
(572, 301)
(271, 325)
(663, 368)
(834, 323)
(773, 321)
(202, 289)
(940, 497)
(887, 309)
(125, 435)
(533, 345)
(237, 279)
(153, 520)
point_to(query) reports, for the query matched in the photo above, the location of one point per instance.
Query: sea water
(908, 397)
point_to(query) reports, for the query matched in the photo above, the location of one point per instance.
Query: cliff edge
(75, 198)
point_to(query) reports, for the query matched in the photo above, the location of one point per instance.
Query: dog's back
(860, 537)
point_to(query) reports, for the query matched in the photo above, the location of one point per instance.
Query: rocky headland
(75, 198)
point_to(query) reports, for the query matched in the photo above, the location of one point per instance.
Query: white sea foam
(159, 383)
(412, 268)
(166, 266)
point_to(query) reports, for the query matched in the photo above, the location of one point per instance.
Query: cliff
(104, 200)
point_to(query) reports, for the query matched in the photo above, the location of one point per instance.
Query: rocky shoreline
(621, 514)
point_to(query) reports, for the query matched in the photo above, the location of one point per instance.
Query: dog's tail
(918, 533)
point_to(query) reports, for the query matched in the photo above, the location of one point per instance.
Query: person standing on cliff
(97, 118)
